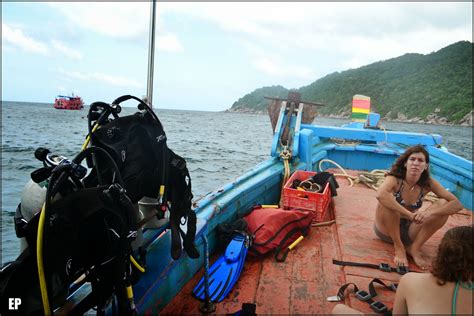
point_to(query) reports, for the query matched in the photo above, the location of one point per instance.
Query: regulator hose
(59, 175)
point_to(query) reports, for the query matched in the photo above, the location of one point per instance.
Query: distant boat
(68, 102)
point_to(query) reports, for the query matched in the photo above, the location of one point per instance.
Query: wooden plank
(375, 135)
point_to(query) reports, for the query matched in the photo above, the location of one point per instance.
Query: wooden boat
(308, 277)
(301, 284)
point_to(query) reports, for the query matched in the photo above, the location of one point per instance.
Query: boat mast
(151, 54)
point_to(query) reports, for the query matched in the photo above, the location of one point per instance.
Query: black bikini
(401, 201)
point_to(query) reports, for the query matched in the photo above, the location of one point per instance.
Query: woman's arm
(452, 207)
(386, 198)
(400, 304)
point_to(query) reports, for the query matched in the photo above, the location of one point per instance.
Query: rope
(372, 179)
(376, 177)
(345, 142)
(285, 154)
(323, 223)
(431, 197)
(331, 215)
(343, 174)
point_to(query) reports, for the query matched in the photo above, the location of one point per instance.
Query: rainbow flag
(360, 108)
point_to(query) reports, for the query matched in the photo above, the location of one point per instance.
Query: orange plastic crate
(317, 203)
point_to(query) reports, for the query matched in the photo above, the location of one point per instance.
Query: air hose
(55, 182)
(39, 259)
(39, 242)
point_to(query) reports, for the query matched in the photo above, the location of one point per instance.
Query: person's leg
(341, 309)
(387, 222)
(420, 233)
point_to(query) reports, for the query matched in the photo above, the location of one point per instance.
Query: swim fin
(225, 272)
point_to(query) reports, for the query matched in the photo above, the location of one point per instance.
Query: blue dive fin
(225, 272)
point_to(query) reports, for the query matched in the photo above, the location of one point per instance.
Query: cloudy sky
(208, 54)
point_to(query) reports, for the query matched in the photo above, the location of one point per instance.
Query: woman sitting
(400, 218)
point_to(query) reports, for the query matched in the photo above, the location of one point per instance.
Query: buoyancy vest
(91, 226)
(137, 144)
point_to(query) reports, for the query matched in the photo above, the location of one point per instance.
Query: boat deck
(301, 284)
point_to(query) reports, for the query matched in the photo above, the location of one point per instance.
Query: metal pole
(151, 55)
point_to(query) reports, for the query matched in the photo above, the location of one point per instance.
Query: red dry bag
(276, 229)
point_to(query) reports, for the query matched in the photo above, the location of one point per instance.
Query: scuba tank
(150, 210)
(32, 200)
(34, 193)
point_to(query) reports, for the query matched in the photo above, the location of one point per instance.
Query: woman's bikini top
(468, 286)
(401, 201)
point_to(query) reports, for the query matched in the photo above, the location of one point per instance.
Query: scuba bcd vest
(137, 144)
(92, 218)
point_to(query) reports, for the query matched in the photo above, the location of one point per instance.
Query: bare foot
(418, 258)
(400, 258)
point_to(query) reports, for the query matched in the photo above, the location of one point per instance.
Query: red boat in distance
(68, 103)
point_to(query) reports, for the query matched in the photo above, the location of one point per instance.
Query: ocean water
(217, 146)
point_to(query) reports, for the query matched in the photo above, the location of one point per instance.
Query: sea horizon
(262, 114)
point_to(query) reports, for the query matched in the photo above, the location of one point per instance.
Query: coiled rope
(345, 142)
(372, 179)
(353, 142)
(343, 174)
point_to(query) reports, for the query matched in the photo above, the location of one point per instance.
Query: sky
(208, 54)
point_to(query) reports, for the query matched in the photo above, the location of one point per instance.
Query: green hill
(412, 85)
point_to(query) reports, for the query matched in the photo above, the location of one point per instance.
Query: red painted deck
(301, 284)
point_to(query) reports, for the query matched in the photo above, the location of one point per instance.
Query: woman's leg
(388, 223)
(420, 233)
